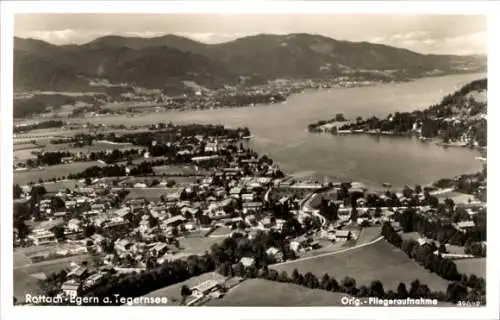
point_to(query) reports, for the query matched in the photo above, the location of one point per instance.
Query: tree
(333, 285)
(251, 272)
(406, 220)
(264, 273)
(407, 192)
(354, 214)
(241, 225)
(175, 231)
(414, 288)
(22, 228)
(283, 277)
(17, 192)
(339, 117)
(348, 284)
(418, 189)
(455, 292)
(363, 291)
(433, 201)
(442, 248)
(402, 293)
(449, 203)
(37, 193)
(185, 292)
(377, 289)
(58, 232)
(324, 281)
(153, 222)
(88, 230)
(239, 269)
(273, 275)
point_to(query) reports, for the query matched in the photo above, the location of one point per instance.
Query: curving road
(304, 206)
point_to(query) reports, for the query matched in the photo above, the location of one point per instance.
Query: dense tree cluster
(314, 127)
(329, 210)
(41, 125)
(143, 169)
(50, 158)
(239, 100)
(447, 269)
(475, 248)
(161, 133)
(29, 209)
(433, 121)
(223, 255)
(40, 103)
(440, 230)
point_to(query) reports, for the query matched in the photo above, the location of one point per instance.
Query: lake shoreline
(280, 132)
(305, 91)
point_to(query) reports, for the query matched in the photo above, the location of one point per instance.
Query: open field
(25, 154)
(177, 169)
(40, 141)
(24, 146)
(95, 147)
(368, 234)
(265, 293)
(197, 245)
(20, 259)
(475, 266)
(173, 292)
(50, 172)
(221, 231)
(378, 261)
(457, 197)
(61, 184)
(147, 193)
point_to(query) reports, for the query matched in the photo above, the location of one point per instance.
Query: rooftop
(206, 286)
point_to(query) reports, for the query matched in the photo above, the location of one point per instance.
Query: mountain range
(168, 61)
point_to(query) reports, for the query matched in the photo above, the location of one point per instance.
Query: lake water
(280, 131)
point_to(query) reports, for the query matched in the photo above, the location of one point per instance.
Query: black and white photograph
(247, 159)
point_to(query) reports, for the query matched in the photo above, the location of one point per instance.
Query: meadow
(61, 184)
(25, 154)
(150, 194)
(61, 170)
(475, 266)
(197, 245)
(94, 147)
(378, 261)
(265, 293)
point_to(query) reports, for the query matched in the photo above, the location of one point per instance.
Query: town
(153, 207)
(115, 99)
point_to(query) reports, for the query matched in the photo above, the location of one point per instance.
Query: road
(330, 253)
(305, 207)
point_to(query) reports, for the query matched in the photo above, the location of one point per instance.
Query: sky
(429, 33)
